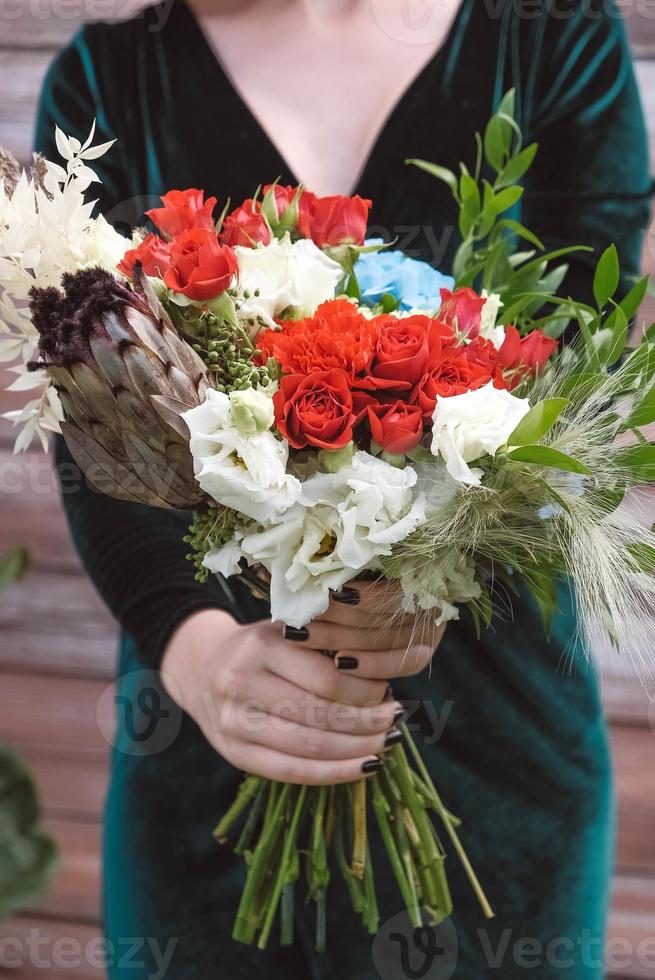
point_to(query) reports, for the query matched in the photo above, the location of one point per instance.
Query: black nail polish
(399, 715)
(292, 633)
(346, 595)
(347, 663)
(392, 737)
(328, 653)
(388, 694)
(372, 765)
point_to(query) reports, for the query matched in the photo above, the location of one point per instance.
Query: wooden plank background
(58, 640)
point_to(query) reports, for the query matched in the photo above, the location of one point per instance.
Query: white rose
(488, 317)
(103, 245)
(245, 472)
(286, 274)
(466, 427)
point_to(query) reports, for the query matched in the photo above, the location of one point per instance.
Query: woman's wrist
(193, 642)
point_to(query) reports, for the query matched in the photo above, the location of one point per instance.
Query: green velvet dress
(510, 725)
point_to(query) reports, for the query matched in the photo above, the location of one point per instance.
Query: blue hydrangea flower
(413, 283)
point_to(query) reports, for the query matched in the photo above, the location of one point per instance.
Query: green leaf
(521, 231)
(546, 456)
(441, 173)
(606, 276)
(613, 346)
(538, 421)
(642, 413)
(640, 460)
(506, 199)
(497, 142)
(644, 555)
(13, 565)
(517, 166)
(633, 300)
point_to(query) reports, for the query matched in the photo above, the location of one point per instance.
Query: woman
(338, 94)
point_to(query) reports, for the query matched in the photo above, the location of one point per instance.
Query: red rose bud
(401, 353)
(397, 427)
(246, 225)
(283, 196)
(524, 355)
(462, 309)
(333, 220)
(315, 410)
(200, 267)
(153, 254)
(449, 372)
(182, 211)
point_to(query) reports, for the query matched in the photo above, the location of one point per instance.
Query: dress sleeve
(590, 183)
(134, 554)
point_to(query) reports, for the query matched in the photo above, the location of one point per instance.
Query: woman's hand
(278, 708)
(356, 626)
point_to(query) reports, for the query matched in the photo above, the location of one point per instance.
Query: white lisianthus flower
(342, 523)
(477, 423)
(488, 317)
(439, 585)
(285, 274)
(245, 472)
(224, 560)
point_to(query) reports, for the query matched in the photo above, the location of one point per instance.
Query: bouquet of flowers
(331, 409)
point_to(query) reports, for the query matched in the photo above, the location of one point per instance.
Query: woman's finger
(319, 635)
(385, 664)
(239, 694)
(364, 604)
(315, 672)
(291, 738)
(263, 761)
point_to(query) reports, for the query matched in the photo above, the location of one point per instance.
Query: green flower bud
(251, 410)
(332, 460)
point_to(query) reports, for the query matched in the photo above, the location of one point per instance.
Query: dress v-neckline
(396, 111)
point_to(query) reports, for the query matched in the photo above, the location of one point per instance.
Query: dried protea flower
(9, 170)
(124, 377)
(39, 172)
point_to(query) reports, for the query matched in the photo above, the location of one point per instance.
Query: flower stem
(359, 830)
(246, 792)
(289, 846)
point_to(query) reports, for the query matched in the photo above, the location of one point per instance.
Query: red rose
(524, 355)
(449, 372)
(200, 267)
(401, 353)
(462, 309)
(397, 427)
(153, 254)
(246, 225)
(315, 410)
(183, 210)
(333, 220)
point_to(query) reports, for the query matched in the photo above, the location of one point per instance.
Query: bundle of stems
(284, 826)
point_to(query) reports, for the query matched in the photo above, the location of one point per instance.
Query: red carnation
(397, 427)
(183, 210)
(462, 309)
(337, 336)
(315, 410)
(153, 254)
(246, 225)
(333, 220)
(200, 267)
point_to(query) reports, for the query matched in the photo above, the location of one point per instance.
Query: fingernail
(392, 737)
(292, 633)
(400, 714)
(347, 663)
(388, 694)
(349, 597)
(328, 653)
(372, 765)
